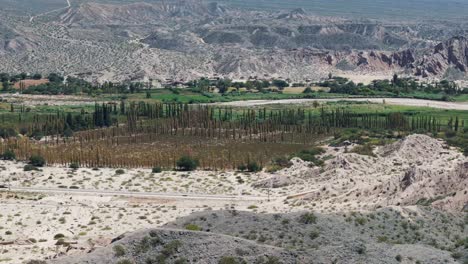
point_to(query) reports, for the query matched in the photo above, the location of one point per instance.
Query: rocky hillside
(417, 170)
(391, 235)
(189, 39)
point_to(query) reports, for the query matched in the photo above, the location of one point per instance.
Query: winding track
(178, 196)
(389, 101)
(48, 12)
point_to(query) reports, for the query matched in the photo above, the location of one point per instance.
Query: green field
(189, 96)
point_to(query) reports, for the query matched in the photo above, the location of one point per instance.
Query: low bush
(253, 167)
(307, 218)
(366, 149)
(192, 227)
(74, 166)
(242, 167)
(59, 236)
(29, 167)
(156, 170)
(187, 163)
(119, 250)
(37, 160)
(9, 155)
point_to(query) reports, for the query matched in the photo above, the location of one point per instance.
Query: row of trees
(159, 134)
(395, 86)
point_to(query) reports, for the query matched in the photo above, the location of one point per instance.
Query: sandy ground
(365, 78)
(34, 100)
(390, 101)
(29, 220)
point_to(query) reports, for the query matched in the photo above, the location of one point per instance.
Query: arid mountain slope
(190, 39)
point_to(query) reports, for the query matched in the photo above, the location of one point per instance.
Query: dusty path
(390, 101)
(181, 196)
(48, 12)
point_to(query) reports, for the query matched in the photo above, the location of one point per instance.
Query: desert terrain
(416, 177)
(233, 132)
(158, 40)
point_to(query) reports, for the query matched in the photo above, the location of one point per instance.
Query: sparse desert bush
(171, 248)
(29, 167)
(156, 170)
(228, 260)
(181, 261)
(366, 149)
(314, 234)
(119, 250)
(310, 155)
(268, 260)
(36, 261)
(8, 155)
(187, 163)
(59, 236)
(361, 249)
(124, 261)
(192, 227)
(398, 258)
(242, 167)
(253, 167)
(307, 218)
(37, 160)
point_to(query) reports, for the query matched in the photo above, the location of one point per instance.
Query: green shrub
(171, 248)
(307, 218)
(283, 162)
(119, 250)
(308, 90)
(124, 261)
(157, 170)
(366, 149)
(186, 163)
(228, 260)
(253, 167)
(9, 155)
(242, 167)
(119, 172)
(35, 261)
(29, 167)
(37, 160)
(192, 227)
(310, 155)
(314, 234)
(59, 236)
(181, 261)
(399, 258)
(74, 166)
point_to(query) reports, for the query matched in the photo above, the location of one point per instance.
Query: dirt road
(31, 19)
(390, 101)
(180, 196)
